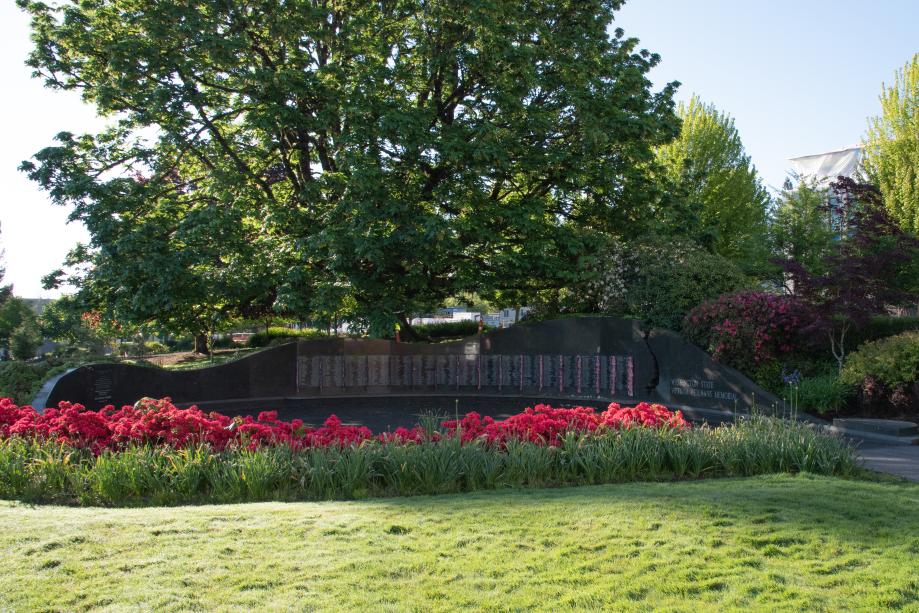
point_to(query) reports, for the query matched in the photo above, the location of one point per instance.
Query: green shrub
(224, 342)
(132, 348)
(276, 336)
(893, 361)
(180, 344)
(823, 394)
(46, 471)
(20, 380)
(882, 326)
(25, 340)
(156, 347)
(449, 329)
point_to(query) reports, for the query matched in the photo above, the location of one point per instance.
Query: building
(824, 168)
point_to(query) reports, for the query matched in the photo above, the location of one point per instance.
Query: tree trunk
(407, 332)
(202, 346)
(517, 315)
(838, 346)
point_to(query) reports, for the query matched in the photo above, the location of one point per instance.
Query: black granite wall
(600, 358)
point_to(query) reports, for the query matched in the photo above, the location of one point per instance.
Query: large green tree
(708, 166)
(891, 154)
(374, 156)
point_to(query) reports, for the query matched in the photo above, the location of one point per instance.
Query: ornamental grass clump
(541, 447)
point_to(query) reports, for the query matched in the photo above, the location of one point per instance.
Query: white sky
(33, 233)
(799, 77)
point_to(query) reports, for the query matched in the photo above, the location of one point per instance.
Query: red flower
(159, 422)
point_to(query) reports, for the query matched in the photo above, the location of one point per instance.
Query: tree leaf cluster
(344, 159)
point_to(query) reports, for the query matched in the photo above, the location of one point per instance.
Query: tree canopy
(707, 165)
(891, 154)
(315, 157)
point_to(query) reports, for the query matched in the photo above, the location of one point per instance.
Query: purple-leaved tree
(873, 264)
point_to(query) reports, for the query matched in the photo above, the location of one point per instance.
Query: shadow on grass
(859, 510)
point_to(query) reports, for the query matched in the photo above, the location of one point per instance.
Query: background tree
(395, 153)
(891, 154)
(14, 313)
(708, 166)
(25, 339)
(661, 282)
(67, 320)
(873, 264)
(801, 228)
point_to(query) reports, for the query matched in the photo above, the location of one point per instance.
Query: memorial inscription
(580, 375)
(696, 388)
(102, 387)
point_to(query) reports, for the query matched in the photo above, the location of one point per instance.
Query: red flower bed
(546, 424)
(159, 422)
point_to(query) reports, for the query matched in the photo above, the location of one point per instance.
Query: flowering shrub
(545, 424)
(159, 422)
(748, 329)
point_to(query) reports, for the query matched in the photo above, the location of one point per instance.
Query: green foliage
(800, 228)
(21, 381)
(47, 472)
(882, 326)
(14, 312)
(25, 339)
(63, 320)
(275, 336)
(449, 329)
(891, 147)
(823, 394)
(660, 283)
(344, 160)
(894, 361)
(709, 167)
(135, 348)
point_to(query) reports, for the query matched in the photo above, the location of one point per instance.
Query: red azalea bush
(546, 424)
(159, 422)
(749, 329)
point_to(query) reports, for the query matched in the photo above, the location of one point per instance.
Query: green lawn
(764, 543)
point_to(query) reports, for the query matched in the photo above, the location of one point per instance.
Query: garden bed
(157, 454)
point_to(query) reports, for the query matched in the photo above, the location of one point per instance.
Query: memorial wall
(577, 360)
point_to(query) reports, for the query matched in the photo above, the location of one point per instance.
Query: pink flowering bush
(750, 329)
(161, 423)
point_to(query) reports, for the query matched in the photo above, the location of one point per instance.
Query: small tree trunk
(517, 315)
(838, 346)
(202, 346)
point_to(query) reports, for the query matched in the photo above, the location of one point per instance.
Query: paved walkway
(901, 460)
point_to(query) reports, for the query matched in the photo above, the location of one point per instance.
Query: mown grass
(761, 543)
(48, 471)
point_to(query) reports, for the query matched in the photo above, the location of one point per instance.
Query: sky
(799, 77)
